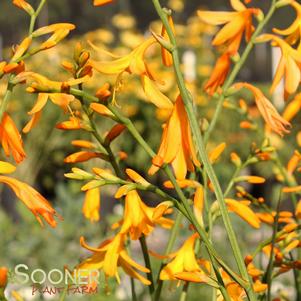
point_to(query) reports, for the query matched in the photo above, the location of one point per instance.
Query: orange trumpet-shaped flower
(289, 64)
(133, 63)
(35, 202)
(91, 205)
(11, 139)
(110, 255)
(293, 32)
(183, 260)
(176, 145)
(236, 24)
(138, 218)
(101, 2)
(235, 291)
(219, 73)
(267, 110)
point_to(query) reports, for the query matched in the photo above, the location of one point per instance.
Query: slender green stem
(147, 264)
(235, 174)
(267, 278)
(170, 244)
(133, 290)
(34, 17)
(184, 293)
(64, 294)
(7, 96)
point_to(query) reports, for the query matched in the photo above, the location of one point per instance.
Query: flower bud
(3, 277)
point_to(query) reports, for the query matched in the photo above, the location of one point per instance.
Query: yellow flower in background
(177, 145)
(91, 205)
(267, 110)
(11, 139)
(236, 24)
(289, 64)
(110, 255)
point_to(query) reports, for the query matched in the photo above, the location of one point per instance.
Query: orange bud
(291, 189)
(103, 92)
(248, 259)
(81, 157)
(101, 2)
(114, 133)
(24, 5)
(122, 155)
(72, 124)
(83, 144)
(3, 277)
(246, 125)
(101, 109)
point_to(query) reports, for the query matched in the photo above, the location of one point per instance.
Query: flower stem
(147, 264)
(34, 17)
(170, 244)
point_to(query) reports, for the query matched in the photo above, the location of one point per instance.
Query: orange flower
(237, 23)
(101, 2)
(110, 255)
(35, 202)
(11, 139)
(92, 205)
(288, 67)
(294, 30)
(58, 32)
(183, 260)
(219, 73)
(176, 145)
(134, 63)
(243, 210)
(267, 110)
(138, 218)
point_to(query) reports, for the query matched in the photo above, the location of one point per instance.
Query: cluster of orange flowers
(177, 149)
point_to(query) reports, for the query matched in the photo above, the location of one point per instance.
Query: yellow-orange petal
(6, 168)
(101, 2)
(81, 157)
(101, 109)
